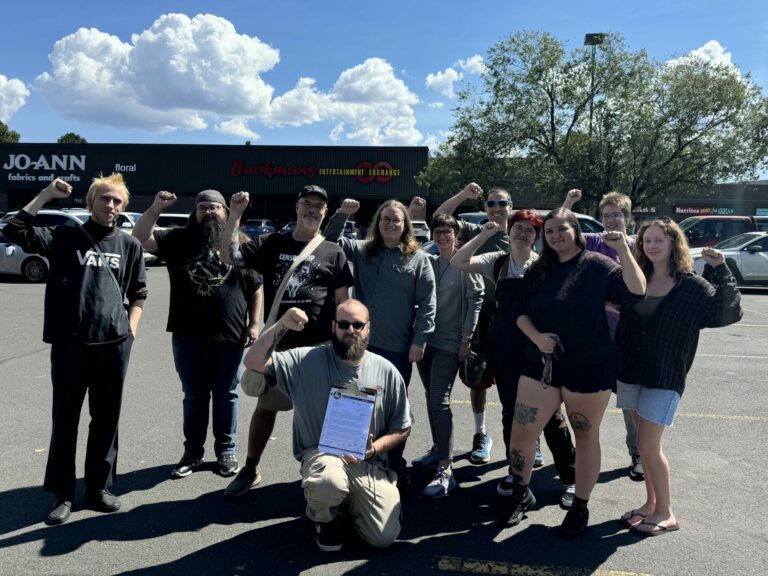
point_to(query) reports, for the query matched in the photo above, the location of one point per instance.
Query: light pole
(592, 40)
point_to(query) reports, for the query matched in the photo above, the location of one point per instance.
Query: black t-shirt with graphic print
(208, 298)
(311, 287)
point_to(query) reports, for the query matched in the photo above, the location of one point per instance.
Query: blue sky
(302, 72)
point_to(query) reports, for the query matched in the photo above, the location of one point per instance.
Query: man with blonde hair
(95, 268)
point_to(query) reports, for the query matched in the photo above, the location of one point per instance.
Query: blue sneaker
(538, 459)
(481, 449)
(427, 461)
(441, 484)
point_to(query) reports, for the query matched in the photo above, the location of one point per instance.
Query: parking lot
(717, 450)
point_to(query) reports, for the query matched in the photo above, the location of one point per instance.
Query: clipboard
(347, 421)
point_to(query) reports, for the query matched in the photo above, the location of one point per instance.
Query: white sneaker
(441, 484)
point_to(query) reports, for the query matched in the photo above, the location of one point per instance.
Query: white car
(746, 255)
(420, 231)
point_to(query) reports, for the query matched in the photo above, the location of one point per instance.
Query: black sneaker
(514, 510)
(328, 536)
(506, 486)
(228, 465)
(59, 512)
(186, 466)
(245, 479)
(101, 501)
(575, 522)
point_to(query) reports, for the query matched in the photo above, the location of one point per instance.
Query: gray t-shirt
(499, 241)
(306, 376)
(511, 270)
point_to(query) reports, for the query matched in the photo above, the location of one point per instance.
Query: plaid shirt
(660, 354)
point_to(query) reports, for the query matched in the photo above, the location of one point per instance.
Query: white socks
(480, 423)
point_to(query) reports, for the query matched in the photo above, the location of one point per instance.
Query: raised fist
(574, 195)
(58, 189)
(294, 319)
(472, 191)
(349, 206)
(238, 203)
(713, 257)
(164, 199)
(418, 202)
(490, 227)
(615, 240)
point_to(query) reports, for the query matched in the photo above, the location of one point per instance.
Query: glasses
(215, 207)
(499, 203)
(387, 221)
(613, 216)
(313, 205)
(344, 325)
(523, 230)
(443, 232)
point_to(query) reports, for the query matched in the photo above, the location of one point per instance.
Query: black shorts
(583, 378)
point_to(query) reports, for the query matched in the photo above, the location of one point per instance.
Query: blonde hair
(680, 261)
(114, 181)
(621, 201)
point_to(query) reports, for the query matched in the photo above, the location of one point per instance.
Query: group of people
(584, 317)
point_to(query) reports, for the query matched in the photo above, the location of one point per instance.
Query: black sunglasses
(344, 325)
(500, 203)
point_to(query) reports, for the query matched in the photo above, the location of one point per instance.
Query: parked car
(588, 224)
(350, 230)
(14, 260)
(709, 230)
(746, 255)
(170, 220)
(421, 230)
(256, 227)
(290, 227)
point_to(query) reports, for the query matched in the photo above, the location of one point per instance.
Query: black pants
(505, 353)
(99, 370)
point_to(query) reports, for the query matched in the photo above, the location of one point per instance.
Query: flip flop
(629, 515)
(656, 532)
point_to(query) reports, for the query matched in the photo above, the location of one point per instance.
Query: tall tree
(654, 129)
(71, 138)
(8, 136)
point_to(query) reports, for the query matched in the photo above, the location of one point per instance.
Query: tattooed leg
(580, 422)
(517, 462)
(525, 414)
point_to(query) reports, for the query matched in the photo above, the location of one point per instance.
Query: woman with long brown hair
(658, 338)
(570, 356)
(395, 280)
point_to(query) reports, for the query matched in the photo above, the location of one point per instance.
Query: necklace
(440, 274)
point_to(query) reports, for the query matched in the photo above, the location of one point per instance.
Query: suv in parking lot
(255, 227)
(746, 255)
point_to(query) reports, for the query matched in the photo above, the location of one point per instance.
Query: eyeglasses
(313, 205)
(344, 325)
(613, 216)
(443, 232)
(387, 221)
(499, 203)
(523, 230)
(213, 207)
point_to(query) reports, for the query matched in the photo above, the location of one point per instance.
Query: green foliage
(657, 129)
(71, 138)
(8, 136)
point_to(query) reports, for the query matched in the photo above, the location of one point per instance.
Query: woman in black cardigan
(658, 338)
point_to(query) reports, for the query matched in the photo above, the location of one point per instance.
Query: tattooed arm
(259, 356)
(230, 237)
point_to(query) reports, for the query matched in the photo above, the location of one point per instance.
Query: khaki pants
(366, 492)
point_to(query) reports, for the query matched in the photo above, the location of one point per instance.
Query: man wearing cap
(214, 312)
(316, 287)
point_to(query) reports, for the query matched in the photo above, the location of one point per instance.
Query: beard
(352, 349)
(211, 229)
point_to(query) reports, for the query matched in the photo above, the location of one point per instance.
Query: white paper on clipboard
(347, 423)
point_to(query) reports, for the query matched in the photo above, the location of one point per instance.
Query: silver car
(746, 255)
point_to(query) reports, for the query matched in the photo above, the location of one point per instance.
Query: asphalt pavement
(717, 449)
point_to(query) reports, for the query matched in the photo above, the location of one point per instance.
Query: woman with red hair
(506, 341)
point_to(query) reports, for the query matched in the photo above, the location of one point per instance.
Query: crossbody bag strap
(104, 261)
(303, 255)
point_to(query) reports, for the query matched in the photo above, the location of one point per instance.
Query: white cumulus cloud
(442, 82)
(473, 64)
(13, 95)
(168, 77)
(712, 52)
(436, 105)
(237, 127)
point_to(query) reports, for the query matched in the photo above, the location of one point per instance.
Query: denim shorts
(653, 404)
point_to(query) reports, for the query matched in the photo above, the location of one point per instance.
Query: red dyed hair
(529, 216)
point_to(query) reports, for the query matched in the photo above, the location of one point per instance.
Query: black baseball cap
(313, 189)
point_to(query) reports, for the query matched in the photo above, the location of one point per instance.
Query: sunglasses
(499, 203)
(344, 325)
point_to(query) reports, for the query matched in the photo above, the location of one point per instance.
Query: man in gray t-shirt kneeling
(335, 483)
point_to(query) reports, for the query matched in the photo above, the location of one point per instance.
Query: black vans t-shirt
(208, 298)
(311, 287)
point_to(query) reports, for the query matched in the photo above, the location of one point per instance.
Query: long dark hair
(374, 242)
(549, 257)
